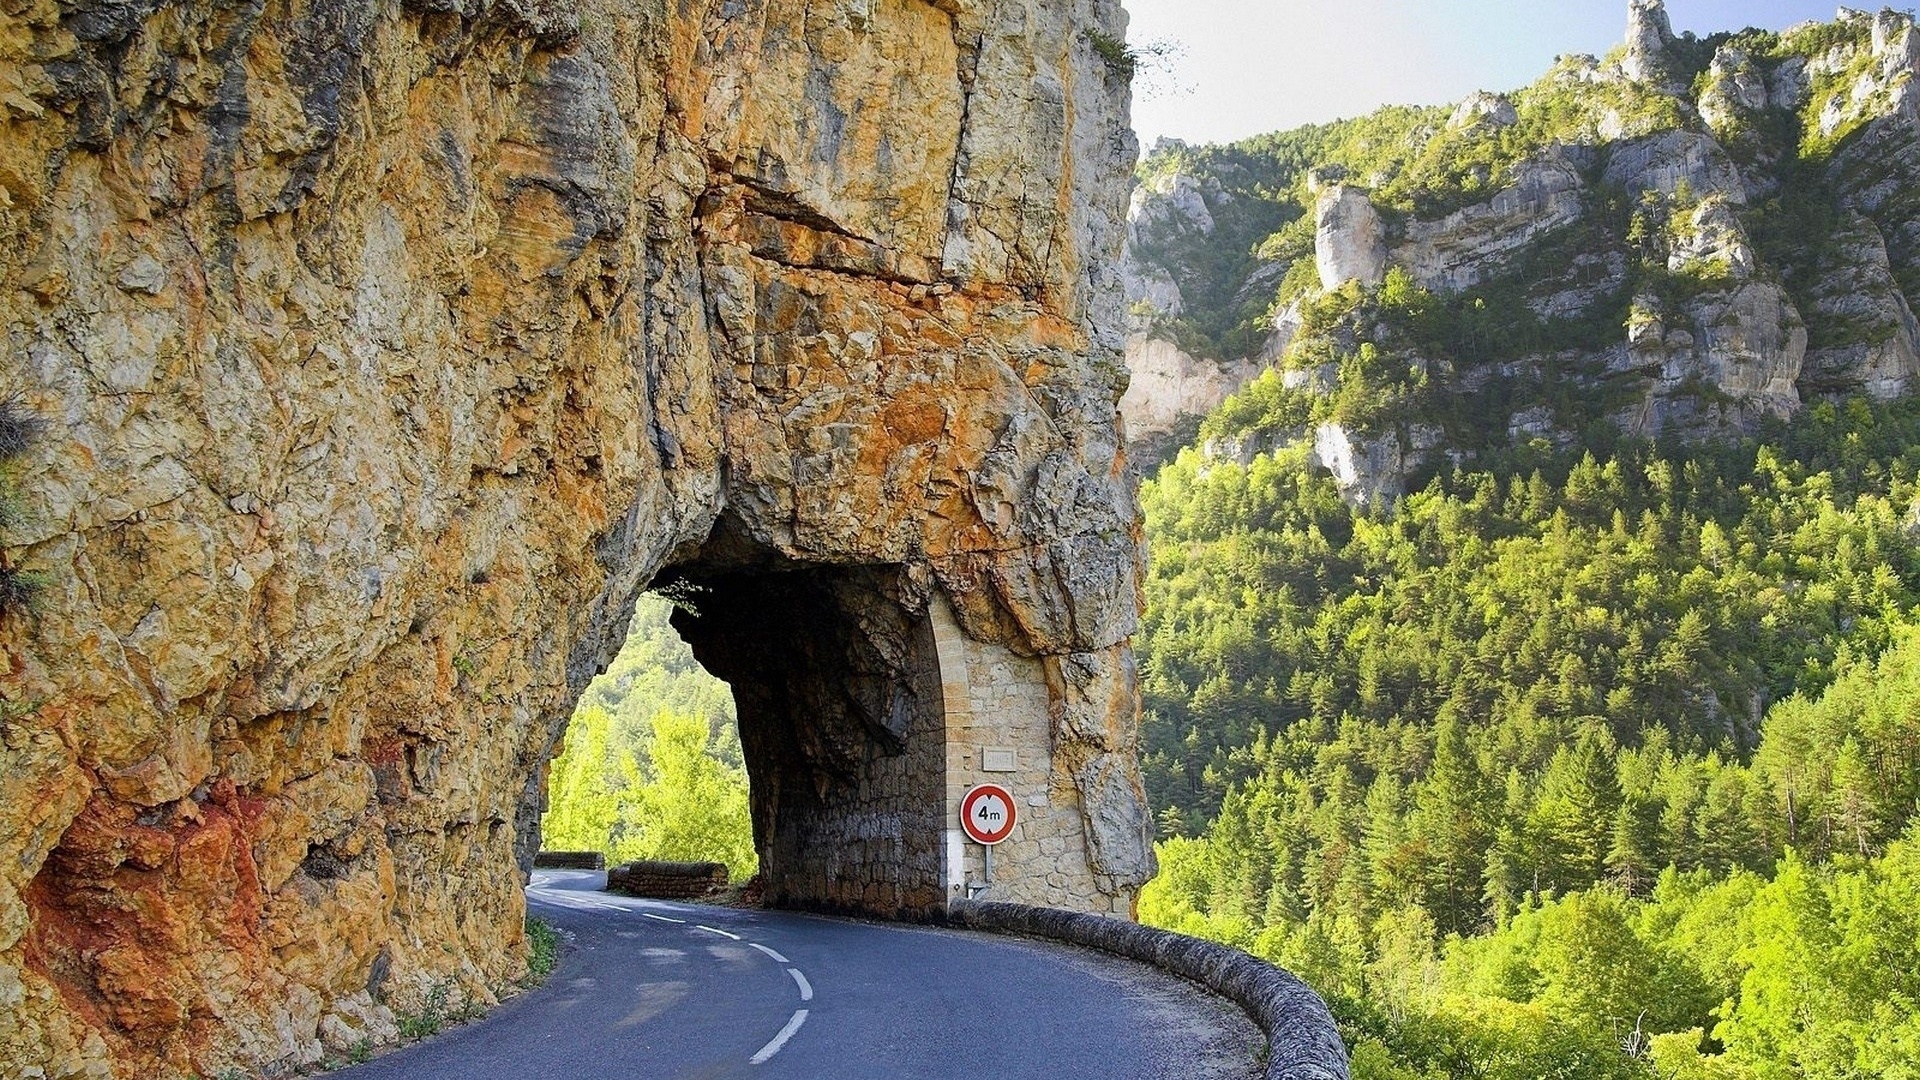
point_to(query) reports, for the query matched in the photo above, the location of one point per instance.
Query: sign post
(987, 816)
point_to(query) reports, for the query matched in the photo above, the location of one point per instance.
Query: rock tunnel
(866, 712)
(384, 353)
(837, 686)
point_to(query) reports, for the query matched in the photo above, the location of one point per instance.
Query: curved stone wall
(1303, 1041)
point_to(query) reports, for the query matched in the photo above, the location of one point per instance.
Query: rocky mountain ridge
(1688, 236)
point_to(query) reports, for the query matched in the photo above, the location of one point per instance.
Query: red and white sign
(987, 814)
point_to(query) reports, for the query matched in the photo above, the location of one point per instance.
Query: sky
(1246, 67)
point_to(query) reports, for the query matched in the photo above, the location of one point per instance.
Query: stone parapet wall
(1303, 1041)
(570, 860)
(667, 880)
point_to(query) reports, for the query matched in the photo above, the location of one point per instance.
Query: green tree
(687, 805)
(583, 786)
(652, 764)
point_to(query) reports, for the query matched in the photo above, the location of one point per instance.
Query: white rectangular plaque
(998, 760)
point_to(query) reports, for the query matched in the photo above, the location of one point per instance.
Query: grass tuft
(543, 950)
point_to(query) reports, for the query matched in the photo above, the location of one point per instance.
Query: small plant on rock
(1124, 61)
(19, 426)
(432, 1015)
(1121, 61)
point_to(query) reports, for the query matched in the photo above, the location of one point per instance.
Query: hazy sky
(1252, 66)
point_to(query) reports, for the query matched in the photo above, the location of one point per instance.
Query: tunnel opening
(836, 684)
(652, 766)
(811, 695)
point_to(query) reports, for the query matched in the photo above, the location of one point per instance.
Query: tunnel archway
(836, 682)
(866, 710)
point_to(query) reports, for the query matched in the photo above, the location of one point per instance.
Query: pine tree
(1572, 823)
(1631, 863)
(1855, 819)
(1450, 820)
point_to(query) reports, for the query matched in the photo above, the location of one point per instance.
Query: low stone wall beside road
(667, 880)
(1303, 1041)
(569, 860)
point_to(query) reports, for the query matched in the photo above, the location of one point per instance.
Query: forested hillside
(1531, 657)
(1556, 750)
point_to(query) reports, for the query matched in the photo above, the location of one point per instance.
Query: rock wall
(1350, 240)
(1169, 386)
(386, 350)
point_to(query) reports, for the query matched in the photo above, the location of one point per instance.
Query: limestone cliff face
(1649, 39)
(387, 350)
(1691, 237)
(1169, 387)
(1350, 240)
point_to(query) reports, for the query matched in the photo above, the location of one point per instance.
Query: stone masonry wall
(838, 696)
(991, 694)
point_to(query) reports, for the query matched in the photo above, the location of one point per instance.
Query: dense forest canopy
(1556, 750)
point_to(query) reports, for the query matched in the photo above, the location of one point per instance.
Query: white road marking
(806, 988)
(777, 958)
(711, 930)
(780, 1040)
(570, 900)
(661, 918)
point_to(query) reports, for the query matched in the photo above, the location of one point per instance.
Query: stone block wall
(838, 693)
(998, 701)
(668, 880)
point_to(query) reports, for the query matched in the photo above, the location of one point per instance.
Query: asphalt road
(660, 991)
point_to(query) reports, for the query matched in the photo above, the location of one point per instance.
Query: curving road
(661, 991)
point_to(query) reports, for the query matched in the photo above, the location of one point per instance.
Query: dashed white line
(780, 1040)
(800, 980)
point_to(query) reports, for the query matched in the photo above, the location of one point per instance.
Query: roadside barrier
(569, 860)
(1303, 1043)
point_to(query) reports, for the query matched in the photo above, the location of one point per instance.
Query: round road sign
(987, 813)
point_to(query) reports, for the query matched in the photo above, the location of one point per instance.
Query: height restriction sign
(987, 814)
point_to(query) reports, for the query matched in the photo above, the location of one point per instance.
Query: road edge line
(793, 1026)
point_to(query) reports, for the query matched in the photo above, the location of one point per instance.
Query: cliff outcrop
(1691, 235)
(381, 353)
